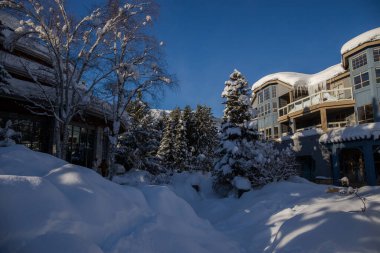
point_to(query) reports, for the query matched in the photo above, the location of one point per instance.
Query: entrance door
(352, 166)
(306, 167)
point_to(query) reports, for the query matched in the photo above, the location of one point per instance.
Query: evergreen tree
(181, 157)
(166, 150)
(138, 146)
(235, 156)
(206, 138)
(189, 121)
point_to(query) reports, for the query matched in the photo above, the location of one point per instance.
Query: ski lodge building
(86, 133)
(331, 118)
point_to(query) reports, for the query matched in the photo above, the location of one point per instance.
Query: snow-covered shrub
(8, 135)
(274, 164)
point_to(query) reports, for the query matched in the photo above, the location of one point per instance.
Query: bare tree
(75, 48)
(136, 62)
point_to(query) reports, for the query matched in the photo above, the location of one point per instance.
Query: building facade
(87, 141)
(304, 109)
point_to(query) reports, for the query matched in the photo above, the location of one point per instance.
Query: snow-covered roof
(352, 133)
(370, 35)
(9, 20)
(301, 79)
(301, 134)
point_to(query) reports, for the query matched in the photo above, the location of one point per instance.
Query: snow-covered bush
(8, 135)
(274, 164)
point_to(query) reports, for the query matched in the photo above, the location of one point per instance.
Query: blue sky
(205, 40)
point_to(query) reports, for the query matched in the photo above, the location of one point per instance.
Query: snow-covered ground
(48, 205)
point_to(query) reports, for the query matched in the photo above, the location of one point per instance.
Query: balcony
(319, 98)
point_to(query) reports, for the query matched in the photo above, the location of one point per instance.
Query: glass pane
(357, 80)
(368, 112)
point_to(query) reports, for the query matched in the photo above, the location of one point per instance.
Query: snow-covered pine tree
(235, 156)
(206, 138)
(166, 150)
(138, 146)
(181, 158)
(189, 121)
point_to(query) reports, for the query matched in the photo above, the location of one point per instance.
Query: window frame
(366, 111)
(361, 81)
(376, 57)
(377, 77)
(364, 61)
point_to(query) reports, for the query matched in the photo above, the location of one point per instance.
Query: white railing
(317, 98)
(338, 124)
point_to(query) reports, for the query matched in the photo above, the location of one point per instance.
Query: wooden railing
(317, 98)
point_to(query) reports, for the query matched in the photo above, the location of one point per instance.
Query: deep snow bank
(48, 205)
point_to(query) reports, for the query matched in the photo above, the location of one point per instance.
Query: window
(377, 75)
(267, 109)
(275, 132)
(260, 97)
(361, 80)
(376, 54)
(266, 94)
(359, 61)
(365, 113)
(274, 105)
(268, 133)
(274, 91)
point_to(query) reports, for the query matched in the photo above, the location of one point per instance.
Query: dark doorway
(352, 166)
(306, 167)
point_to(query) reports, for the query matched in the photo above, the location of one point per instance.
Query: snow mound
(302, 134)
(351, 133)
(48, 205)
(370, 35)
(300, 79)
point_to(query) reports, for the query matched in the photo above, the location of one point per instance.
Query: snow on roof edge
(301, 79)
(352, 133)
(367, 36)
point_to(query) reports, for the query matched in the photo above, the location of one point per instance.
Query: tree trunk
(57, 147)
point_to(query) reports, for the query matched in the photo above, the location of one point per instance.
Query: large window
(376, 54)
(267, 109)
(81, 145)
(361, 80)
(359, 61)
(266, 94)
(275, 132)
(274, 105)
(365, 113)
(260, 97)
(33, 132)
(274, 91)
(377, 75)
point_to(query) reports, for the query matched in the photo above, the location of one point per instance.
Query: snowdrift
(48, 205)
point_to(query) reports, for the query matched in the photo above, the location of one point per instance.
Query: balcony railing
(338, 124)
(317, 98)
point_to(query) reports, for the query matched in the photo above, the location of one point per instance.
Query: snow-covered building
(86, 133)
(299, 108)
